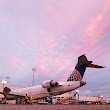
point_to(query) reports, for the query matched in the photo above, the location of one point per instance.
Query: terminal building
(70, 98)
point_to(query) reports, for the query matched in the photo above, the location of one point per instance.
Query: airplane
(51, 87)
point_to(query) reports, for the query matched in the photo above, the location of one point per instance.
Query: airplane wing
(8, 95)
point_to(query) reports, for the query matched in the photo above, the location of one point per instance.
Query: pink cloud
(97, 26)
(13, 62)
(4, 20)
(49, 37)
(60, 18)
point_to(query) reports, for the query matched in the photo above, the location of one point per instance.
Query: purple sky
(49, 35)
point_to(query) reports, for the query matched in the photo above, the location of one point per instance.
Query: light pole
(33, 70)
(101, 98)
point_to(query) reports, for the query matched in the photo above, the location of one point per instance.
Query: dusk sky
(49, 35)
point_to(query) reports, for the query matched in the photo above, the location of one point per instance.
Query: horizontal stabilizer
(94, 66)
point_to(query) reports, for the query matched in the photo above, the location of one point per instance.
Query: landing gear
(25, 100)
(20, 101)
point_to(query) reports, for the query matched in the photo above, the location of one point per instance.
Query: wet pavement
(54, 107)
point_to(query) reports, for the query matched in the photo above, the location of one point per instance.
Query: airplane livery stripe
(75, 76)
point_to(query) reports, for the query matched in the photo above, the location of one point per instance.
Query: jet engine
(49, 84)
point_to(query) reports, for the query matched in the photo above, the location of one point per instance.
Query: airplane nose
(82, 83)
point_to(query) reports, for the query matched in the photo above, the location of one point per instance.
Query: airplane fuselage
(40, 92)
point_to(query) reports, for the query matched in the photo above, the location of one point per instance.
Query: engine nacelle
(49, 84)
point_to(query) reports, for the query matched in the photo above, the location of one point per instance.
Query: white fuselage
(40, 92)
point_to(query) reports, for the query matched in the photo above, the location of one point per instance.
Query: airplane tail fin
(80, 68)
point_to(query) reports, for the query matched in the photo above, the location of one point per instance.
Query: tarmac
(54, 107)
